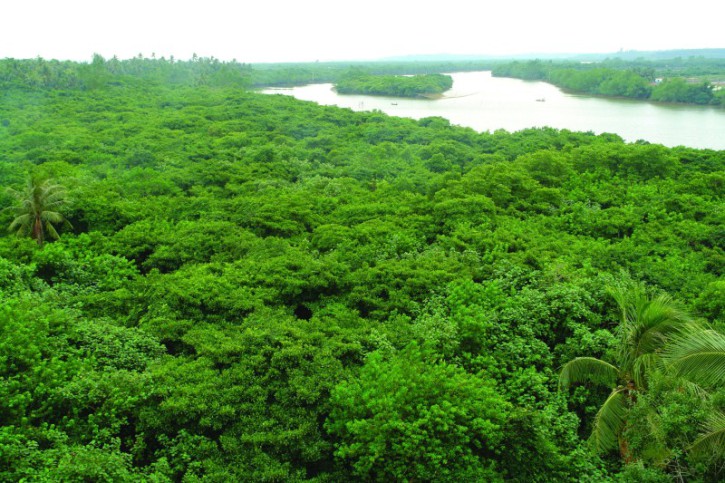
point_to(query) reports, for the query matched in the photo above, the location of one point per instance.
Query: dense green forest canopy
(204, 71)
(423, 85)
(256, 288)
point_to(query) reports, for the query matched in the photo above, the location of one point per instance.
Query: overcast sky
(309, 30)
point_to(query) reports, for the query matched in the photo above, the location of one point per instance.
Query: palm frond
(51, 231)
(609, 421)
(643, 366)
(693, 389)
(700, 356)
(626, 297)
(655, 449)
(583, 369)
(21, 222)
(56, 196)
(711, 441)
(659, 320)
(9, 208)
(52, 217)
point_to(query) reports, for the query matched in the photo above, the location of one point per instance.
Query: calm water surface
(487, 103)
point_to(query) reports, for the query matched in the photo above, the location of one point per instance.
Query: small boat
(541, 100)
(393, 103)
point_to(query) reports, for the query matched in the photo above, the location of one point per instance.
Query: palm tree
(646, 326)
(36, 211)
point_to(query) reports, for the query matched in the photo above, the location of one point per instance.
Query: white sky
(309, 30)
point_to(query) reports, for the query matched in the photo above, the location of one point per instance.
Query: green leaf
(700, 356)
(609, 421)
(583, 369)
(712, 438)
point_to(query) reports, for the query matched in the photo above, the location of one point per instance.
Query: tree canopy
(257, 288)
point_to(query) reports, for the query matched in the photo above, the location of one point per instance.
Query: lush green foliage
(648, 328)
(100, 72)
(394, 85)
(203, 71)
(678, 90)
(288, 74)
(638, 80)
(414, 418)
(258, 288)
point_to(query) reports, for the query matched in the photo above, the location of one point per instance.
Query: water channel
(487, 103)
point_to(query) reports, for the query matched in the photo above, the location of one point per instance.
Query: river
(487, 103)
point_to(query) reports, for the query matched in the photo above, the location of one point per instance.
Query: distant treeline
(637, 80)
(394, 85)
(53, 74)
(201, 71)
(307, 73)
(686, 81)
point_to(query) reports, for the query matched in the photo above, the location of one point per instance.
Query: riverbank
(628, 82)
(485, 103)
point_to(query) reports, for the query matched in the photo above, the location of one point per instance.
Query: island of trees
(203, 283)
(424, 85)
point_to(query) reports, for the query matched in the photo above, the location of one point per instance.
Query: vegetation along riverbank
(690, 83)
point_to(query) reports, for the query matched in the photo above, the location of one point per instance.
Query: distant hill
(469, 57)
(659, 54)
(624, 55)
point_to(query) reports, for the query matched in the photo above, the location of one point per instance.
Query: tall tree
(37, 209)
(645, 327)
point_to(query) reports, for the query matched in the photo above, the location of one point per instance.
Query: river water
(487, 103)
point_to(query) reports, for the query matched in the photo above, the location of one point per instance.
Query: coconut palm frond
(711, 441)
(609, 422)
(655, 450)
(588, 369)
(54, 204)
(20, 222)
(50, 230)
(700, 356)
(52, 217)
(56, 198)
(660, 319)
(629, 298)
(693, 389)
(664, 307)
(9, 208)
(643, 366)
